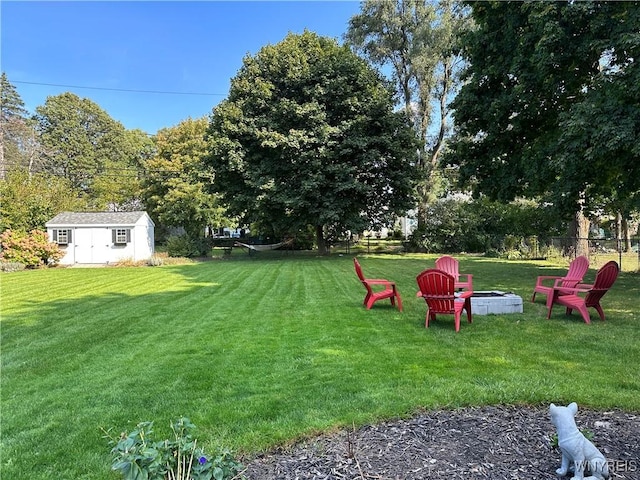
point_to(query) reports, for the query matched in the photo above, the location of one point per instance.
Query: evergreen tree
(13, 125)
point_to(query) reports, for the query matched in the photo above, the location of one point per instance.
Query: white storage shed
(102, 237)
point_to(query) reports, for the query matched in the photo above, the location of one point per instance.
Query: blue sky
(186, 47)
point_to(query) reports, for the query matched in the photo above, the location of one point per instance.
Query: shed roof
(96, 218)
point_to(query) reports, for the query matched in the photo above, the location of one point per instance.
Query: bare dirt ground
(497, 443)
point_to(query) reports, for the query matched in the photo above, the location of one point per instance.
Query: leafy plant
(138, 457)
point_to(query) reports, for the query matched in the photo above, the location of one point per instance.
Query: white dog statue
(577, 451)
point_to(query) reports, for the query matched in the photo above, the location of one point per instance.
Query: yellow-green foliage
(31, 249)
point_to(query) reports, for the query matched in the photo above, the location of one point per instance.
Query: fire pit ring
(495, 302)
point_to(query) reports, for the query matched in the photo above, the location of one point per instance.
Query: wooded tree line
(502, 100)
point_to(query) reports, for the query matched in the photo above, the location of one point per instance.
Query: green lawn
(260, 350)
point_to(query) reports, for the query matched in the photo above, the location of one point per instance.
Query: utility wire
(122, 89)
(120, 172)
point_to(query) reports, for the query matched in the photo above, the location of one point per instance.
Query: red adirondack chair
(605, 278)
(371, 284)
(577, 269)
(439, 291)
(451, 266)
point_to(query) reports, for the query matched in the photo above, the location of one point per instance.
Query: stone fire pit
(496, 302)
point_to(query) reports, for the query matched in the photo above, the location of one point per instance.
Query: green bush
(31, 249)
(186, 246)
(453, 226)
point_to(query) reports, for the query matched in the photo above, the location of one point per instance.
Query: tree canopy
(417, 41)
(175, 182)
(118, 186)
(82, 143)
(551, 107)
(31, 200)
(308, 137)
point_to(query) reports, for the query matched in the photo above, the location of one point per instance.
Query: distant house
(102, 237)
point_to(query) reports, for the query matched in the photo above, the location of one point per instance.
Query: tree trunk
(421, 210)
(320, 240)
(580, 233)
(626, 238)
(442, 97)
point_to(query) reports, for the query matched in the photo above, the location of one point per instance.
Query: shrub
(453, 225)
(11, 266)
(32, 249)
(512, 255)
(155, 261)
(186, 246)
(492, 253)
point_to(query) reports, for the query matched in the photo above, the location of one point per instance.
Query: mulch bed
(499, 442)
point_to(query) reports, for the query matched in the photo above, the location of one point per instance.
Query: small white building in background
(102, 237)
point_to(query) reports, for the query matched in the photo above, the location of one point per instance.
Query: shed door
(83, 245)
(92, 245)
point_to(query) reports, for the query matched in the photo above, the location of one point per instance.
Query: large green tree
(551, 104)
(308, 137)
(175, 180)
(416, 40)
(78, 137)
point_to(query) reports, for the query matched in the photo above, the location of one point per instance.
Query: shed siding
(94, 243)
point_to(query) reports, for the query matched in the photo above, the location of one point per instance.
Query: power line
(121, 89)
(117, 172)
